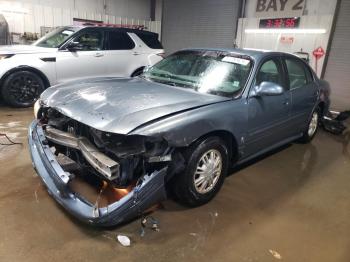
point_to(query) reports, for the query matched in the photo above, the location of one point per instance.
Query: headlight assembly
(37, 106)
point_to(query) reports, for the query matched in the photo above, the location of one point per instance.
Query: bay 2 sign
(279, 8)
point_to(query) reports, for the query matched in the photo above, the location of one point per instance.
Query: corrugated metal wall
(27, 16)
(199, 23)
(137, 9)
(338, 67)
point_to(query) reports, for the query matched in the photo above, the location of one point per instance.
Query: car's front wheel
(205, 172)
(22, 88)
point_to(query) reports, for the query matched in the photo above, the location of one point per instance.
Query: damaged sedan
(107, 149)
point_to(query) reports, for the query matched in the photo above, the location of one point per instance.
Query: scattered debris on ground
(149, 222)
(124, 240)
(333, 122)
(275, 254)
(343, 115)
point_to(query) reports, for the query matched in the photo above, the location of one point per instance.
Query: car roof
(121, 29)
(254, 53)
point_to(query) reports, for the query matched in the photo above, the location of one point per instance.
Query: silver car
(176, 128)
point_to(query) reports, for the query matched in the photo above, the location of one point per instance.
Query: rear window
(151, 40)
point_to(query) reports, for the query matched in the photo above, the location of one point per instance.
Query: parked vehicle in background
(70, 53)
(183, 123)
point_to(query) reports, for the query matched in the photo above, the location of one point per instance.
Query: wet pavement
(290, 205)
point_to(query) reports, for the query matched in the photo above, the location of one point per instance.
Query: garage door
(198, 23)
(338, 66)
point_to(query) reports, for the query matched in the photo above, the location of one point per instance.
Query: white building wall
(312, 7)
(318, 14)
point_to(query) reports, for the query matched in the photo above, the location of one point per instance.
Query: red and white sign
(318, 52)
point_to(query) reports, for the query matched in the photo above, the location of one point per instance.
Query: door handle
(286, 102)
(98, 54)
(136, 53)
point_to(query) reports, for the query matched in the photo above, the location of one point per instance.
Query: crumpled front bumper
(149, 190)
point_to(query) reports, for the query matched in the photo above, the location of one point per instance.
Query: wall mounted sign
(279, 8)
(291, 22)
(318, 52)
(287, 39)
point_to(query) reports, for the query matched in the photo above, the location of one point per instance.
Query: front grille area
(67, 124)
(100, 162)
(75, 139)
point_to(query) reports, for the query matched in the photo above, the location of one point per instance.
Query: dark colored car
(179, 127)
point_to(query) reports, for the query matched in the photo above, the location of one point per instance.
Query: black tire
(22, 88)
(137, 72)
(307, 136)
(184, 184)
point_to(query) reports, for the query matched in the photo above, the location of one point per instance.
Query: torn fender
(149, 190)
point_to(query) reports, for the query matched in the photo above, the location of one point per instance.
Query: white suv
(70, 53)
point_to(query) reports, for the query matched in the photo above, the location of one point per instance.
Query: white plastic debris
(275, 254)
(124, 240)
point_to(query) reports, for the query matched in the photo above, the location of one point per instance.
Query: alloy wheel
(25, 89)
(313, 124)
(208, 171)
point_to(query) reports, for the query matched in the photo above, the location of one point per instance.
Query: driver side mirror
(75, 46)
(267, 89)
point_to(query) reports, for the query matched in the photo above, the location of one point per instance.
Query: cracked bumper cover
(150, 189)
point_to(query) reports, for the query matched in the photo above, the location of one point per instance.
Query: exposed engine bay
(119, 159)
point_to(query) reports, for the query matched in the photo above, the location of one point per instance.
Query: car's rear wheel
(204, 174)
(22, 88)
(312, 127)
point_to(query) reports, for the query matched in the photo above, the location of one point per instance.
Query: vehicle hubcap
(25, 89)
(313, 124)
(208, 171)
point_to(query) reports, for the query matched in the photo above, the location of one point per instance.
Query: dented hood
(120, 105)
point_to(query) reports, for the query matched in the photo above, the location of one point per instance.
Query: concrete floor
(295, 201)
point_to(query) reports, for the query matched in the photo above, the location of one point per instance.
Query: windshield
(211, 72)
(55, 38)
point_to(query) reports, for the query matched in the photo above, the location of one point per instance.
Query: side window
(90, 41)
(269, 72)
(296, 73)
(119, 41)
